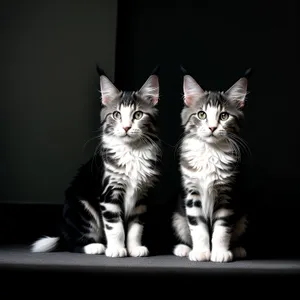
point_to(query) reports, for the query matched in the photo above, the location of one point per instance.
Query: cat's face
(129, 116)
(212, 116)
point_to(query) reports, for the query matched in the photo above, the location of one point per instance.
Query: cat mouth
(128, 136)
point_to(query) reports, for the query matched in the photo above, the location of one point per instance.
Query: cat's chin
(212, 139)
(128, 139)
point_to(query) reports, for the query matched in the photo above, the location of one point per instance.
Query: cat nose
(212, 128)
(126, 128)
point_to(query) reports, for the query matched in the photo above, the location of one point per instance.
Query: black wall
(49, 103)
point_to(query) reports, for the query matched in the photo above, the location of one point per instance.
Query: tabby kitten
(106, 203)
(208, 222)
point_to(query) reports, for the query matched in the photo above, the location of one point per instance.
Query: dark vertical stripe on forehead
(215, 99)
(127, 99)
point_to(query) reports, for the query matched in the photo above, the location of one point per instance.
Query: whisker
(181, 137)
(154, 135)
(146, 138)
(89, 140)
(241, 142)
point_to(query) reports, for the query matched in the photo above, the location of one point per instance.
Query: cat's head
(129, 115)
(213, 115)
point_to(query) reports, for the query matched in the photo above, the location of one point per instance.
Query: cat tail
(45, 244)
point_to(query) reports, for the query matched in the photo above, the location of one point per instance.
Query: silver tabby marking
(206, 223)
(106, 203)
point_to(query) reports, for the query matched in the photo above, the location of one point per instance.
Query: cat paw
(138, 251)
(94, 248)
(239, 252)
(181, 250)
(221, 256)
(196, 255)
(116, 252)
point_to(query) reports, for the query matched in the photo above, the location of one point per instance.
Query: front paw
(196, 255)
(94, 248)
(181, 250)
(116, 252)
(138, 251)
(221, 256)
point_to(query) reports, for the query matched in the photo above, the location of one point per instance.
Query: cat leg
(82, 227)
(113, 226)
(222, 233)
(115, 235)
(182, 231)
(198, 228)
(135, 232)
(239, 229)
(94, 234)
(239, 252)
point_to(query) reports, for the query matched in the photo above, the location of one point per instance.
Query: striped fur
(207, 221)
(106, 203)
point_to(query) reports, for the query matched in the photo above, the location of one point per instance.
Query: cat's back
(88, 178)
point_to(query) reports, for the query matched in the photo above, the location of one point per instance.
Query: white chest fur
(134, 169)
(206, 164)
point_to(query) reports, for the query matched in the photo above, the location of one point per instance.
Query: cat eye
(138, 115)
(224, 116)
(116, 115)
(201, 115)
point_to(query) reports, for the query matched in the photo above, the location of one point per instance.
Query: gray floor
(20, 256)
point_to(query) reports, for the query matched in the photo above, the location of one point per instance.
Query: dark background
(216, 41)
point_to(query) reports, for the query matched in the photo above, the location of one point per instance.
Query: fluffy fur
(207, 222)
(106, 203)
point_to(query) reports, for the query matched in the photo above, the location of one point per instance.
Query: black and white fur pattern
(106, 203)
(208, 222)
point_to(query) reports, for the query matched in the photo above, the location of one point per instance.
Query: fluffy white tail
(45, 244)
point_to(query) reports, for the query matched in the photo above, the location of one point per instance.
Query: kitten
(106, 203)
(208, 222)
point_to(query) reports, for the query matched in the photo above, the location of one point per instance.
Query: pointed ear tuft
(191, 90)
(156, 70)
(107, 89)
(100, 71)
(248, 73)
(183, 70)
(237, 92)
(150, 89)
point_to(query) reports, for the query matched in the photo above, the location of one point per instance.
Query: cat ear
(237, 92)
(150, 89)
(191, 89)
(107, 89)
